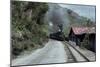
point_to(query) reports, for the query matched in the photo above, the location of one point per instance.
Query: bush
(85, 43)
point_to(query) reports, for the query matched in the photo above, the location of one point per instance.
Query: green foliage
(66, 31)
(85, 43)
(76, 20)
(28, 28)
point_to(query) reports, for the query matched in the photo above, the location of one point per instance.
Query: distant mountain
(59, 15)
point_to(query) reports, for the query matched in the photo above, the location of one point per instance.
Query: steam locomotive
(58, 36)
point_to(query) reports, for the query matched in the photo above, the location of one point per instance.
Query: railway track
(74, 55)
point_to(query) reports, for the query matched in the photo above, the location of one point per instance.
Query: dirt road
(52, 52)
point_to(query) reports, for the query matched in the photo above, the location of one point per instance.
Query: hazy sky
(86, 11)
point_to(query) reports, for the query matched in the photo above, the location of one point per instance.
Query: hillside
(28, 28)
(77, 20)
